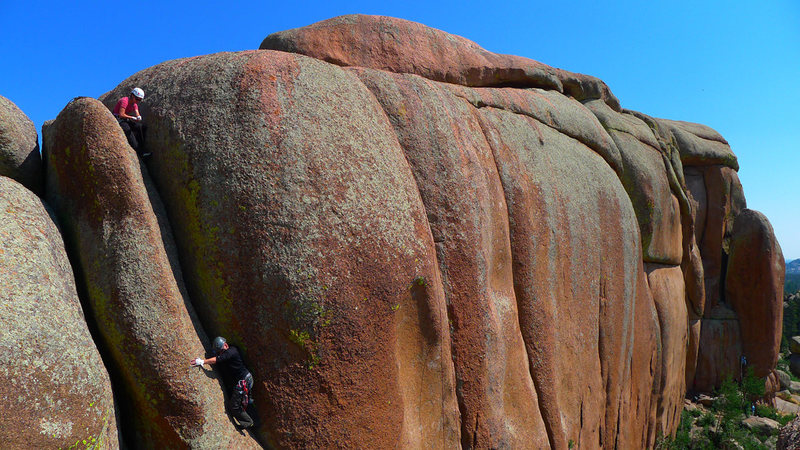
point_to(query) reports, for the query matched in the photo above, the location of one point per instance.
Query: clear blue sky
(733, 65)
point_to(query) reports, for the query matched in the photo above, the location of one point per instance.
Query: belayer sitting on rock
(127, 113)
(235, 374)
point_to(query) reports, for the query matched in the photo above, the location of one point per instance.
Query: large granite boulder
(668, 289)
(488, 348)
(401, 46)
(587, 307)
(303, 239)
(754, 288)
(514, 124)
(414, 241)
(19, 147)
(275, 199)
(134, 291)
(54, 388)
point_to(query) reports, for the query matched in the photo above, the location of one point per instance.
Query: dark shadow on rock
(168, 240)
(32, 172)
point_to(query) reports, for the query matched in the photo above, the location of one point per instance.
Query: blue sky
(734, 66)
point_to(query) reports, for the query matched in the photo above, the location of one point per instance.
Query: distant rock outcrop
(19, 147)
(415, 242)
(54, 388)
(793, 266)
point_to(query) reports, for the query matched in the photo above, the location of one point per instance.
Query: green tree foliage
(721, 427)
(791, 323)
(791, 283)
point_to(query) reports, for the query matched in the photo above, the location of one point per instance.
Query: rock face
(488, 348)
(666, 284)
(19, 147)
(96, 187)
(789, 437)
(275, 192)
(754, 288)
(414, 241)
(763, 425)
(645, 178)
(400, 46)
(716, 198)
(520, 149)
(54, 388)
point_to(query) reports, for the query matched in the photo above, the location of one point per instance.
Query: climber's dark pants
(237, 404)
(134, 131)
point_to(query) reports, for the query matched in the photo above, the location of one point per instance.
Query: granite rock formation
(754, 288)
(110, 219)
(415, 242)
(19, 147)
(54, 388)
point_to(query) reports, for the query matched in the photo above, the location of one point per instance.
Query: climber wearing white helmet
(127, 113)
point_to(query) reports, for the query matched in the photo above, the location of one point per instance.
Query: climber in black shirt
(233, 368)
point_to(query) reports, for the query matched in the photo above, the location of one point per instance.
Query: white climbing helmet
(138, 93)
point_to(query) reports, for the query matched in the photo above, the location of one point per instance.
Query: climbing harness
(244, 393)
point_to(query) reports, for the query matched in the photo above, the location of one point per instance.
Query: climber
(127, 113)
(233, 369)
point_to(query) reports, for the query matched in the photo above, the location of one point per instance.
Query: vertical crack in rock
(173, 257)
(438, 240)
(581, 434)
(133, 289)
(608, 389)
(475, 430)
(456, 175)
(168, 242)
(555, 437)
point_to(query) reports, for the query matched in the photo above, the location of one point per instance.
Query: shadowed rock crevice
(130, 285)
(446, 149)
(173, 259)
